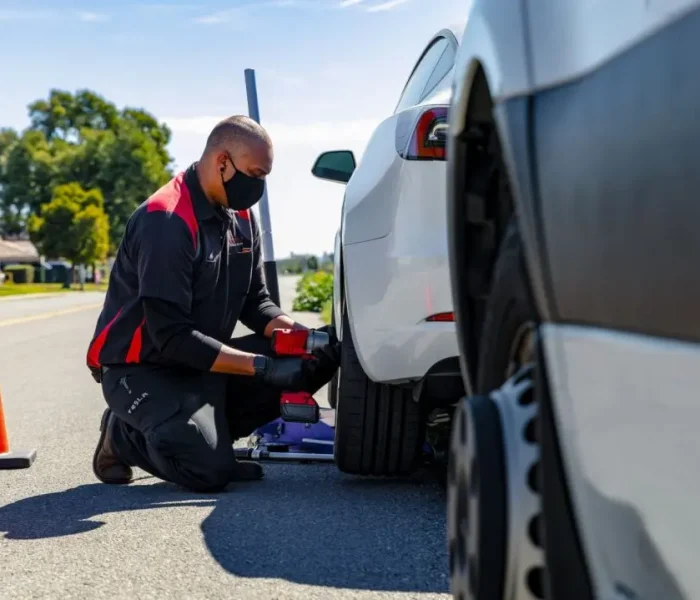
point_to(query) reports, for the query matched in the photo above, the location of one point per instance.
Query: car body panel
(364, 217)
(627, 416)
(394, 283)
(495, 40)
(616, 170)
(600, 144)
(571, 38)
(614, 205)
(394, 249)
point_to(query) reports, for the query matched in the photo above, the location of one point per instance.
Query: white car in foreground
(399, 373)
(574, 141)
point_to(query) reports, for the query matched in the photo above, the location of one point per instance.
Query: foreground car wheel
(494, 507)
(378, 428)
(514, 525)
(499, 461)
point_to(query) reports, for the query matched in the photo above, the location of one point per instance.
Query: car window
(443, 67)
(413, 91)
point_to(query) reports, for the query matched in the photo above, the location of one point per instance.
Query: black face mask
(242, 191)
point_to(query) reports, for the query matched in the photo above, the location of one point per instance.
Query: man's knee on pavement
(189, 460)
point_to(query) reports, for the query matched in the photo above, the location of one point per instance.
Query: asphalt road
(306, 532)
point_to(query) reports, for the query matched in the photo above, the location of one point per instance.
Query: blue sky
(328, 71)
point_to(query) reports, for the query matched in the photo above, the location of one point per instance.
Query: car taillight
(441, 317)
(429, 138)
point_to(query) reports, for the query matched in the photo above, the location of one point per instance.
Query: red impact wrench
(298, 407)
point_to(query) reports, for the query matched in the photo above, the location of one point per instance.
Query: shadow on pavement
(304, 524)
(311, 525)
(72, 511)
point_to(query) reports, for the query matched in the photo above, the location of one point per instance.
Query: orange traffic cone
(12, 460)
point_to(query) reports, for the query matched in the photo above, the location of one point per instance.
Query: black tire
(480, 451)
(509, 311)
(378, 427)
(477, 505)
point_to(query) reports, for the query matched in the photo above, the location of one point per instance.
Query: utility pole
(268, 249)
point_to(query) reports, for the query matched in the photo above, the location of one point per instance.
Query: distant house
(18, 252)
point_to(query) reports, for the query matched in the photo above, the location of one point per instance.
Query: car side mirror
(337, 165)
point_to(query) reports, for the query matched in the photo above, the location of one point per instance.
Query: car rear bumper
(627, 412)
(390, 291)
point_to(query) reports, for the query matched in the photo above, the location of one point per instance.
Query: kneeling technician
(179, 389)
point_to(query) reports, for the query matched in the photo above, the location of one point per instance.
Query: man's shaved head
(235, 133)
(235, 144)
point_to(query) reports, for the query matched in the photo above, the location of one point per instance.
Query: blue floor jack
(304, 432)
(293, 441)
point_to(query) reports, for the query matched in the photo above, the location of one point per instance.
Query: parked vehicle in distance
(573, 139)
(399, 372)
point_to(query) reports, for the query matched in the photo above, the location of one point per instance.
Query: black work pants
(180, 426)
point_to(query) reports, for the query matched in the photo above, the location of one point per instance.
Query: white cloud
(321, 133)
(93, 17)
(346, 3)
(390, 5)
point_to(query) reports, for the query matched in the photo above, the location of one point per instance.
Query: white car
(574, 249)
(392, 300)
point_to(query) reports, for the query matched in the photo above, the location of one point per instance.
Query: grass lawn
(20, 289)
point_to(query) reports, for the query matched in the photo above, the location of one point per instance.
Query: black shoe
(105, 464)
(247, 471)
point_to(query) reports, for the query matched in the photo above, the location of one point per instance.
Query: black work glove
(287, 374)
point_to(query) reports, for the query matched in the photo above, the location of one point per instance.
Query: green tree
(73, 226)
(82, 138)
(27, 176)
(91, 234)
(8, 137)
(64, 115)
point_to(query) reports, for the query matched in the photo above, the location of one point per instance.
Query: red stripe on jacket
(175, 198)
(93, 357)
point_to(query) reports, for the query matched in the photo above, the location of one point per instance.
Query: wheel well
(481, 207)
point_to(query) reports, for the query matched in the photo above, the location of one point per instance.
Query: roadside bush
(327, 312)
(313, 291)
(20, 273)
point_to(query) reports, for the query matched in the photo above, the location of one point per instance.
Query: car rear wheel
(506, 535)
(379, 427)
